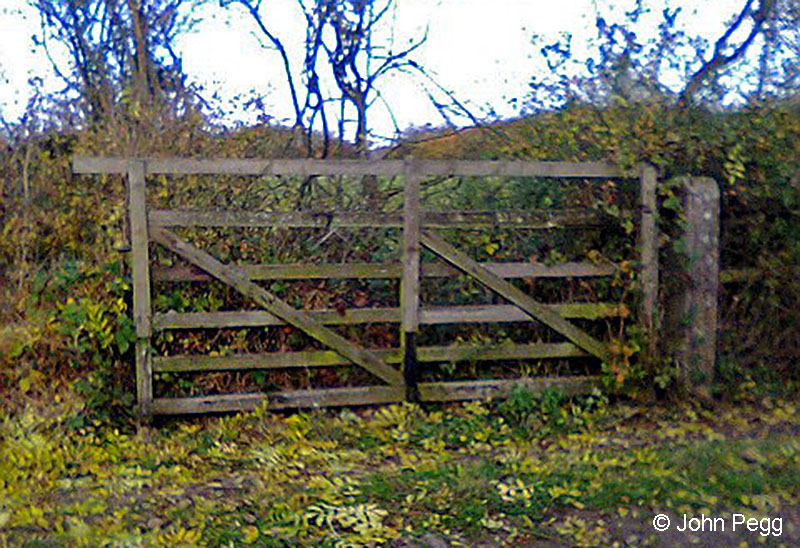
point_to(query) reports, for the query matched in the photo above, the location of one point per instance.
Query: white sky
(480, 49)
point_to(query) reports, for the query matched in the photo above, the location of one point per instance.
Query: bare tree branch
(719, 59)
(253, 10)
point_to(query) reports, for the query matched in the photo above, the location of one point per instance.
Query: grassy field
(531, 471)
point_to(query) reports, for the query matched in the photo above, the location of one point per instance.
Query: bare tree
(757, 55)
(346, 54)
(343, 62)
(116, 50)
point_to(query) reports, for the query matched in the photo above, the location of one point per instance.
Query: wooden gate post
(648, 257)
(409, 288)
(137, 204)
(690, 322)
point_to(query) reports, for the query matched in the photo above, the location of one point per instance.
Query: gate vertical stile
(409, 288)
(648, 256)
(137, 204)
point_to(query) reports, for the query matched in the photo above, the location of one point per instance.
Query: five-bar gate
(396, 369)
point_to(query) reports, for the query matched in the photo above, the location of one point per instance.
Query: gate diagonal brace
(505, 289)
(234, 277)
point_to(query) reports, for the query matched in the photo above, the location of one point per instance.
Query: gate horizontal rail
(534, 219)
(306, 167)
(368, 395)
(297, 271)
(327, 358)
(497, 313)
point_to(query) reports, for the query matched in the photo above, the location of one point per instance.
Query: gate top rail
(306, 167)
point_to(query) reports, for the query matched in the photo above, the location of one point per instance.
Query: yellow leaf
(744, 499)
(250, 534)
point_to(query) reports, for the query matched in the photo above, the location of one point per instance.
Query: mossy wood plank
(187, 273)
(139, 248)
(353, 316)
(144, 377)
(137, 210)
(366, 395)
(511, 313)
(234, 277)
(536, 310)
(363, 395)
(327, 358)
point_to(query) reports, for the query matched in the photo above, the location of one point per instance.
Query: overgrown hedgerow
(61, 232)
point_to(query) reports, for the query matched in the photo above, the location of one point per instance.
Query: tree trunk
(145, 78)
(369, 183)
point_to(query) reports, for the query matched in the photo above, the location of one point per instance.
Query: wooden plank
(188, 273)
(305, 167)
(434, 315)
(292, 167)
(328, 358)
(531, 219)
(89, 165)
(139, 246)
(530, 270)
(137, 211)
(270, 360)
(648, 256)
(364, 395)
(536, 310)
(144, 377)
(283, 219)
(482, 389)
(233, 277)
(409, 285)
(499, 352)
(511, 313)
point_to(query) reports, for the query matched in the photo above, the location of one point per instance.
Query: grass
(473, 473)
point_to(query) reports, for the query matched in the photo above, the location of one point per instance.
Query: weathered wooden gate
(418, 228)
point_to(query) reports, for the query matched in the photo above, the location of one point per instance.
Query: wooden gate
(419, 230)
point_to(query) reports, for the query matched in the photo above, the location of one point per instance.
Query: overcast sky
(480, 49)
